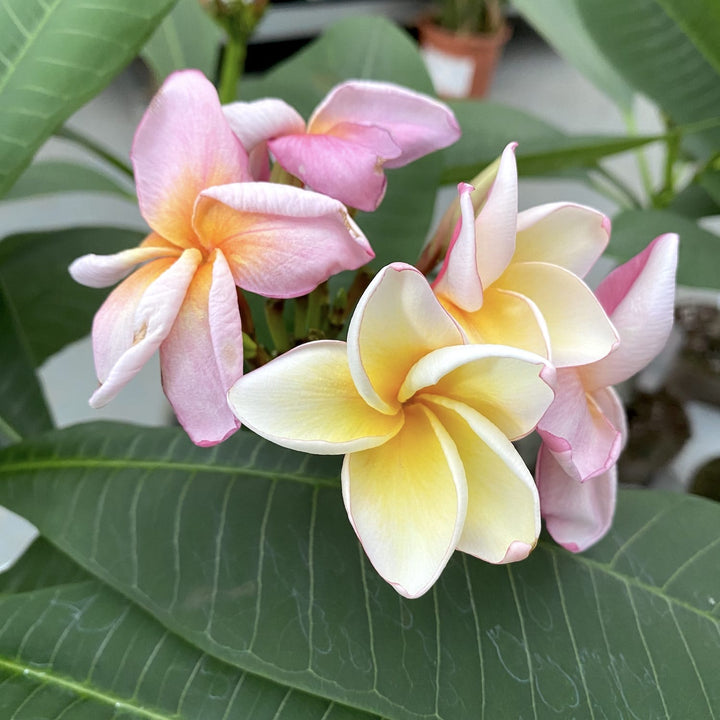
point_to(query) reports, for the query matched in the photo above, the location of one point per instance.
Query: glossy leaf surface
(56, 55)
(245, 551)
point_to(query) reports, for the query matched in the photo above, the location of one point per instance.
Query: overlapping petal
(576, 514)
(396, 322)
(182, 146)
(202, 356)
(306, 400)
(506, 318)
(502, 523)
(583, 441)
(407, 500)
(135, 319)
(580, 331)
(572, 236)
(279, 241)
(100, 271)
(639, 297)
(510, 387)
(258, 121)
(417, 123)
(335, 166)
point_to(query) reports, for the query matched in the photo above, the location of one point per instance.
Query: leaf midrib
(84, 463)
(29, 41)
(49, 678)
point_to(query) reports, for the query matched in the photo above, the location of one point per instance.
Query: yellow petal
(306, 400)
(406, 500)
(510, 387)
(580, 331)
(506, 318)
(503, 512)
(396, 322)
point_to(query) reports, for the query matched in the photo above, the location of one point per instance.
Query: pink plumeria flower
(515, 278)
(585, 429)
(359, 129)
(423, 421)
(210, 232)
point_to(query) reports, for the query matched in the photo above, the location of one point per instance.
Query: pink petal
(99, 271)
(135, 319)
(279, 241)
(417, 123)
(203, 355)
(583, 441)
(496, 223)
(333, 166)
(182, 146)
(256, 122)
(565, 234)
(639, 297)
(576, 514)
(459, 278)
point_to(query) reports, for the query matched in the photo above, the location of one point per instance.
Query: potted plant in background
(461, 43)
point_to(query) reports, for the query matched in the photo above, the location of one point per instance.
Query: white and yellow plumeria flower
(425, 421)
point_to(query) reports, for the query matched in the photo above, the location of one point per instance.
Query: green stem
(630, 199)
(274, 314)
(645, 176)
(232, 66)
(67, 134)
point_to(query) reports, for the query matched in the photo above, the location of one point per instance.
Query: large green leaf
(52, 176)
(560, 23)
(369, 48)
(52, 309)
(660, 57)
(54, 56)
(187, 38)
(23, 410)
(245, 551)
(699, 257)
(83, 652)
(542, 150)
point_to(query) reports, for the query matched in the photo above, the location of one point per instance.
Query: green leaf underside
(23, 410)
(367, 48)
(53, 310)
(187, 38)
(246, 552)
(699, 253)
(542, 149)
(559, 22)
(659, 58)
(54, 56)
(47, 177)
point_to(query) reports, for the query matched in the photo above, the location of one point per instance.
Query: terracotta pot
(460, 65)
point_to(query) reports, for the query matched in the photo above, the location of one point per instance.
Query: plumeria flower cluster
(439, 374)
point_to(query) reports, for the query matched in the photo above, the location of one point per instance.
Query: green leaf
(42, 566)
(23, 410)
(699, 257)
(542, 149)
(82, 651)
(54, 56)
(48, 176)
(660, 58)
(560, 23)
(245, 550)
(52, 309)
(700, 20)
(368, 48)
(187, 38)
